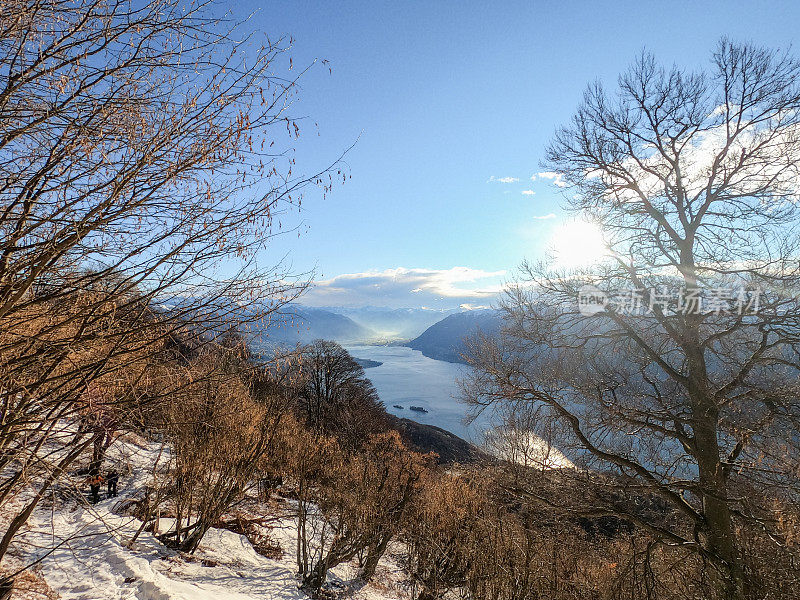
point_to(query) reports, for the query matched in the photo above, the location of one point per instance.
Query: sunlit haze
(577, 244)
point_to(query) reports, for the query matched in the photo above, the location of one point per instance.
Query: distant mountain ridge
(439, 334)
(298, 324)
(445, 340)
(392, 324)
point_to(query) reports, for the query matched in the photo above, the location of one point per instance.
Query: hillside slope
(302, 324)
(428, 438)
(445, 340)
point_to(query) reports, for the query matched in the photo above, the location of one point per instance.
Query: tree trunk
(6, 588)
(374, 555)
(318, 575)
(721, 537)
(314, 581)
(192, 540)
(98, 454)
(719, 528)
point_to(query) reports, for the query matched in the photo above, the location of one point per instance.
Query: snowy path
(93, 562)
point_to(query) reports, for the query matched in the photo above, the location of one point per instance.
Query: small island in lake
(418, 409)
(367, 363)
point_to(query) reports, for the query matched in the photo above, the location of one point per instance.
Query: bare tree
(676, 371)
(145, 159)
(440, 539)
(364, 504)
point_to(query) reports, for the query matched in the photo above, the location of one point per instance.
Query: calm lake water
(407, 378)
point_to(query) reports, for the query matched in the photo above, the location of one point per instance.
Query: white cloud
(528, 192)
(503, 179)
(544, 217)
(404, 287)
(556, 178)
(770, 154)
(533, 177)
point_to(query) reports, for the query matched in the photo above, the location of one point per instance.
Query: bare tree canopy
(145, 159)
(335, 395)
(672, 364)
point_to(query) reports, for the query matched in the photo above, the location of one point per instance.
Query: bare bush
(218, 438)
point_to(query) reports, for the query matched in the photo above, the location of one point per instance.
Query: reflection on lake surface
(407, 378)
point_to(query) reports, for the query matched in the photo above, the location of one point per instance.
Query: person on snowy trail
(94, 485)
(112, 479)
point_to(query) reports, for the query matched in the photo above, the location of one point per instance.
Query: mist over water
(407, 378)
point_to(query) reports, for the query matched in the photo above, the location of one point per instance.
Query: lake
(407, 378)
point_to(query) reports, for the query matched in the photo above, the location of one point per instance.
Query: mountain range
(393, 324)
(437, 334)
(296, 324)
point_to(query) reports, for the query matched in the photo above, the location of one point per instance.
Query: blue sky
(446, 100)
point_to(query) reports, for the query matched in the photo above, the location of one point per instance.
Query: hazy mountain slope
(392, 324)
(302, 324)
(445, 340)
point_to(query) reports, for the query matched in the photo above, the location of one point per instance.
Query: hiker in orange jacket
(94, 485)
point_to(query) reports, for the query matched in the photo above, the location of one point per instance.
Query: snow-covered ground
(524, 448)
(86, 555)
